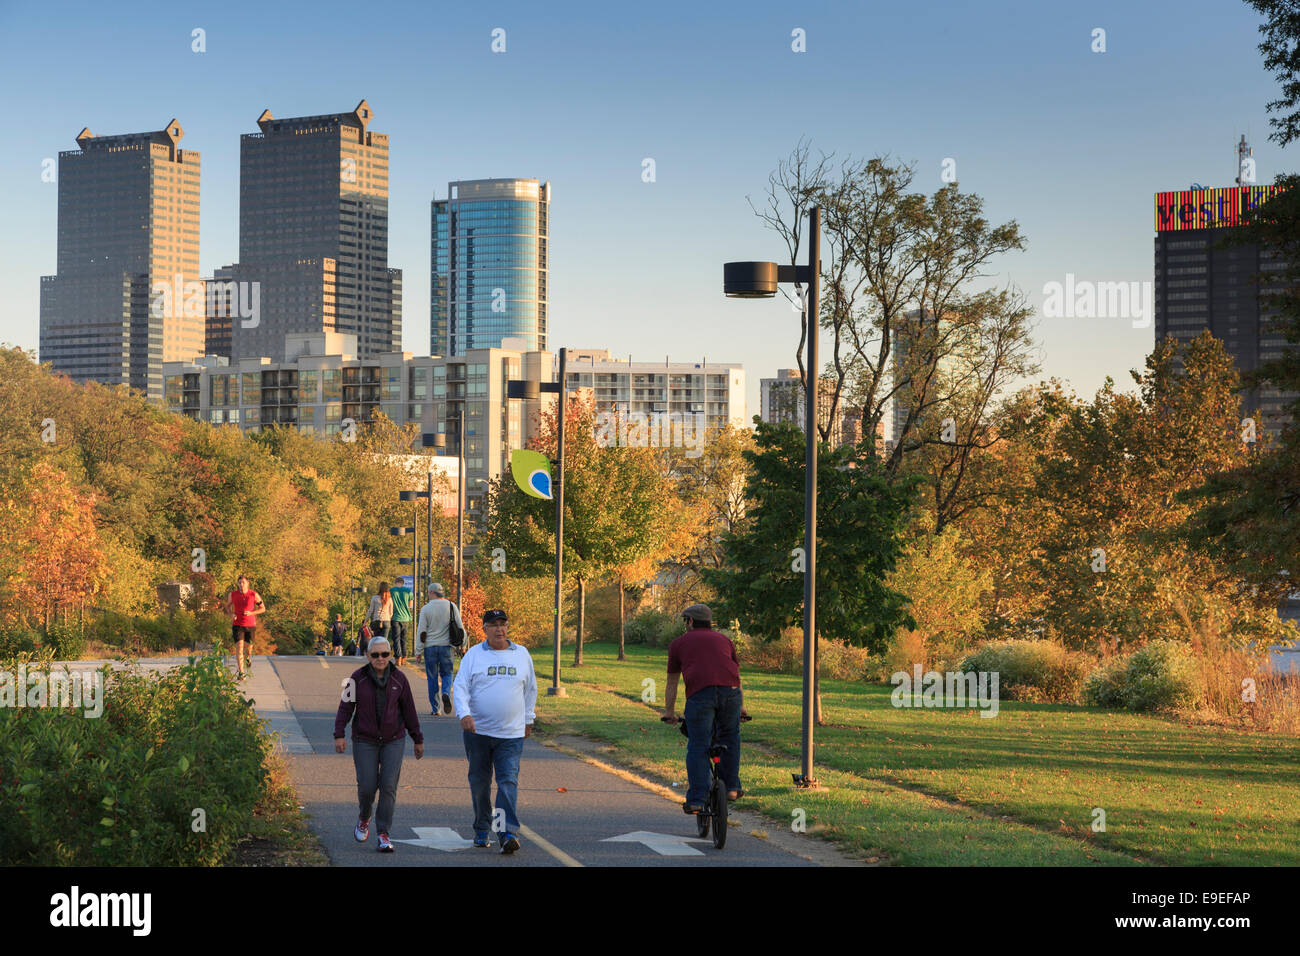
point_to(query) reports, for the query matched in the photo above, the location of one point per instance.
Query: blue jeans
(487, 755)
(704, 709)
(437, 662)
(397, 637)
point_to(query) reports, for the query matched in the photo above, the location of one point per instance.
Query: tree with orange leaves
(59, 562)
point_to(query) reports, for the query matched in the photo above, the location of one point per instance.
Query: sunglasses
(380, 654)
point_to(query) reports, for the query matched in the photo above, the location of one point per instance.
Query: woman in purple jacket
(380, 698)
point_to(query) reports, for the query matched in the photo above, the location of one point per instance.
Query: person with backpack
(439, 630)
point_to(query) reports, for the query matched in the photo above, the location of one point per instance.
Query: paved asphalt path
(571, 826)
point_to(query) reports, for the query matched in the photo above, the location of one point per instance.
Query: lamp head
(749, 280)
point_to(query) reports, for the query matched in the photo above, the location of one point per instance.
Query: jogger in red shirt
(244, 604)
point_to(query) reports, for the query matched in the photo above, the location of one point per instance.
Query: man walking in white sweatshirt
(496, 697)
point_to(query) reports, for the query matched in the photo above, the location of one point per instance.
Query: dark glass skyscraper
(127, 296)
(313, 232)
(1203, 283)
(489, 265)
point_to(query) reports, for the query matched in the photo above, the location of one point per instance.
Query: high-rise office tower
(1203, 283)
(127, 295)
(313, 234)
(489, 265)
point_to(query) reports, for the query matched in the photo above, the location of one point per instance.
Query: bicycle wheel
(702, 818)
(718, 806)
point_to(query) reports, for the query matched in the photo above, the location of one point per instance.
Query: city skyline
(1074, 157)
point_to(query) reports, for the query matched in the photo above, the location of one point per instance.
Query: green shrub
(653, 628)
(18, 641)
(1035, 671)
(1160, 675)
(111, 629)
(122, 789)
(295, 638)
(68, 641)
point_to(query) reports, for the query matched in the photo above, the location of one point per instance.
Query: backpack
(455, 633)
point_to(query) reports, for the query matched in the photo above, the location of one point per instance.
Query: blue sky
(1070, 143)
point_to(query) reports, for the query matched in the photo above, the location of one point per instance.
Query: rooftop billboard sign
(1208, 208)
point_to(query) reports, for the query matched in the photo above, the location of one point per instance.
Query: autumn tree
(1109, 564)
(618, 509)
(58, 563)
(908, 326)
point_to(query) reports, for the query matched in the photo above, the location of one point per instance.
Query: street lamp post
(413, 560)
(427, 440)
(352, 620)
(530, 389)
(460, 508)
(753, 280)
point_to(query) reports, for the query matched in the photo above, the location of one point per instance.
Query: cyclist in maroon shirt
(708, 663)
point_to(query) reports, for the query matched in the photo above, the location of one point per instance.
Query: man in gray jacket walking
(432, 638)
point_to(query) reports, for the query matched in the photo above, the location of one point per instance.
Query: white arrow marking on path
(662, 843)
(438, 838)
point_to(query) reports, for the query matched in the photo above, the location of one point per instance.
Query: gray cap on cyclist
(699, 614)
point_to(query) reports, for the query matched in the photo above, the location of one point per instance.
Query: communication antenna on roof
(1245, 163)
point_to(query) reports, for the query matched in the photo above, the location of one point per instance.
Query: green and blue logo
(532, 472)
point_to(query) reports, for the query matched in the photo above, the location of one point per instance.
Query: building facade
(711, 393)
(1203, 283)
(782, 400)
(127, 296)
(323, 387)
(489, 265)
(313, 235)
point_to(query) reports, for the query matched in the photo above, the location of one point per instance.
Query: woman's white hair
(378, 639)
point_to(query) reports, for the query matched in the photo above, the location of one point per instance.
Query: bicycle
(713, 815)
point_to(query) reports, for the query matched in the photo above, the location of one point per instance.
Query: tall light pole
(460, 508)
(352, 622)
(427, 440)
(758, 280)
(530, 389)
(413, 561)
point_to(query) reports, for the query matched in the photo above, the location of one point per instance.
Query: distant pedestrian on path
(401, 622)
(243, 604)
(338, 631)
(377, 700)
(496, 696)
(381, 611)
(433, 639)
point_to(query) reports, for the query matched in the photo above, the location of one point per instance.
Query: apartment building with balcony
(715, 390)
(323, 387)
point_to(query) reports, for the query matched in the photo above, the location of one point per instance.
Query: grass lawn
(934, 786)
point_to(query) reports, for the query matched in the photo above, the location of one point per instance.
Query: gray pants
(378, 768)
